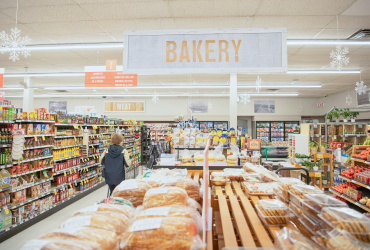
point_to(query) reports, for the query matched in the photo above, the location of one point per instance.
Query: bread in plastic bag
(60, 243)
(171, 211)
(194, 204)
(165, 196)
(186, 157)
(153, 182)
(105, 220)
(287, 239)
(125, 210)
(116, 201)
(342, 240)
(107, 240)
(190, 186)
(162, 233)
(232, 159)
(132, 190)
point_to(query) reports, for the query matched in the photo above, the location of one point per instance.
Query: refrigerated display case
(205, 127)
(291, 128)
(263, 131)
(271, 131)
(277, 131)
(220, 125)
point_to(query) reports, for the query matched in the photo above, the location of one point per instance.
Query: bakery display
(132, 190)
(234, 174)
(107, 240)
(342, 240)
(273, 212)
(288, 239)
(199, 158)
(165, 196)
(314, 203)
(301, 189)
(161, 233)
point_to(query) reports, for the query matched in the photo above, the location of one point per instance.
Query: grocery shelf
(35, 121)
(106, 133)
(93, 155)
(68, 124)
(31, 199)
(70, 146)
(6, 121)
(61, 186)
(67, 170)
(354, 135)
(29, 136)
(30, 185)
(350, 200)
(66, 136)
(76, 156)
(6, 166)
(6, 188)
(5, 145)
(95, 135)
(360, 160)
(34, 159)
(44, 146)
(33, 171)
(354, 181)
(7, 233)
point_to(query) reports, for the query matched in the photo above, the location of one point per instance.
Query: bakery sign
(205, 51)
(1, 78)
(125, 106)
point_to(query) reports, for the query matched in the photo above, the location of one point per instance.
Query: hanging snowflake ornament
(339, 58)
(247, 99)
(258, 84)
(155, 98)
(15, 44)
(361, 88)
(348, 100)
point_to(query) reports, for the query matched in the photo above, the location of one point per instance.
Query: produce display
(363, 155)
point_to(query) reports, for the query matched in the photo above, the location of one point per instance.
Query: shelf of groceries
(51, 167)
(248, 207)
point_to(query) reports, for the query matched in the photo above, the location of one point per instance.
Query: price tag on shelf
(70, 185)
(70, 171)
(353, 181)
(35, 138)
(43, 138)
(358, 135)
(75, 126)
(55, 192)
(95, 127)
(81, 127)
(75, 139)
(75, 170)
(19, 161)
(6, 210)
(335, 137)
(317, 174)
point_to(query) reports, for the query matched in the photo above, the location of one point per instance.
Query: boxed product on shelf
(273, 212)
(314, 203)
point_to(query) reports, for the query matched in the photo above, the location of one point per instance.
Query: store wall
(286, 108)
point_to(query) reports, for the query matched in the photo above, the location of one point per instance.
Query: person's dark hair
(117, 139)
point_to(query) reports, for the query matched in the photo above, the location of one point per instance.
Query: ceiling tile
(63, 28)
(27, 3)
(359, 8)
(292, 22)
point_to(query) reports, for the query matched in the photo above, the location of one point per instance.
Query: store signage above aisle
(124, 106)
(98, 76)
(1, 78)
(2, 94)
(205, 51)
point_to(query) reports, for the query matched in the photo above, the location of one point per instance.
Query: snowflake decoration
(361, 88)
(339, 57)
(15, 44)
(155, 98)
(348, 100)
(258, 84)
(244, 99)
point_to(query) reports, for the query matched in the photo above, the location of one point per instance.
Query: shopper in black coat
(114, 162)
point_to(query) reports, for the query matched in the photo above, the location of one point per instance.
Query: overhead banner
(98, 76)
(124, 106)
(205, 51)
(1, 78)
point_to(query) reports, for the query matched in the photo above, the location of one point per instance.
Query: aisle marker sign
(1, 77)
(205, 51)
(98, 76)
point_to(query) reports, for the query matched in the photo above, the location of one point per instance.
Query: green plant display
(313, 144)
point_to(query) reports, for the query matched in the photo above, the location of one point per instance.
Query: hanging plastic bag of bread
(162, 233)
(60, 243)
(244, 157)
(198, 157)
(171, 211)
(124, 210)
(107, 240)
(211, 156)
(116, 201)
(186, 158)
(114, 222)
(132, 190)
(165, 196)
(232, 158)
(219, 157)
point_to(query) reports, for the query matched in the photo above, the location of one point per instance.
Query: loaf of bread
(132, 190)
(161, 233)
(165, 196)
(194, 204)
(153, 183)
(60, 243)
(116, 201)
(105, 220)
(190, 186)
(107, 240)
(125, 210)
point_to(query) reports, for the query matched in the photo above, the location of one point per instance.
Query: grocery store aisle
(53, 221)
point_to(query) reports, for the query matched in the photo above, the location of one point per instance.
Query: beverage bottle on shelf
(2, 136)
(2, 157)
(10, 140)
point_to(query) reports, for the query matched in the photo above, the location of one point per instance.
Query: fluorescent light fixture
(4, 89)
(323, 71)
(328, 42)
(151, 95)
(280, 86)
(69, 46)
(45, 74)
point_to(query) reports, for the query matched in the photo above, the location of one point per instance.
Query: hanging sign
(205, 51)
(125, 106)
(2, 94)
(1, 78)
(98, 76)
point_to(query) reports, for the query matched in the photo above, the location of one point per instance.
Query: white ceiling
(93, 21)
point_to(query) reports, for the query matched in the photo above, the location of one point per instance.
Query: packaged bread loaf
(234, 174)
(161, 233)
(152, 182)
(287, 239)
(165, 196)
(232, 160)
(105, 220)
(132, 190)
(194, 204)
(116, 201)
(190, 186)
(60, 243)
(125, 210)
(219, 178)
(107, 240)
(342, 240)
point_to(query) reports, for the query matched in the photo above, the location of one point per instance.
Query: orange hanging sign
(99, 77)
(1, 78)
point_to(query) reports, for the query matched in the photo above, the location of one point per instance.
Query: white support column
(233, 112)
(28, 93)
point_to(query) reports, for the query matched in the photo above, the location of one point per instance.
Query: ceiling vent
(61, 90)
(360, 35)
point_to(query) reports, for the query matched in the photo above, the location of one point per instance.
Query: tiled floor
(53, 221)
